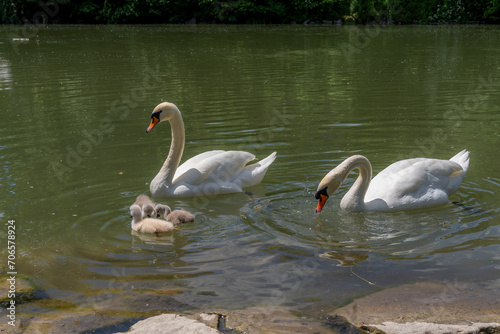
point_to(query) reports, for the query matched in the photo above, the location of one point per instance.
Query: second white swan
(208, 173)
(404, 185)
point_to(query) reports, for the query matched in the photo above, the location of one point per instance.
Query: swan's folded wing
(194, 161)
(456, 175)
(253, 174)
(215, 166)
(442, 175)
(395, 179)
(418, 179)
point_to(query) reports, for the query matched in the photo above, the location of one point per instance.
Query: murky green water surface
(76, 100)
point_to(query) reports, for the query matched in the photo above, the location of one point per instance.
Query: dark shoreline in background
(306, 23)
(250, 12)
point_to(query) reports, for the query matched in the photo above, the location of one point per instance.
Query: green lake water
(75, 102)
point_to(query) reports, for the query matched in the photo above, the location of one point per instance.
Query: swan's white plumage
(212, 166)
(406, 184)
(208, 173)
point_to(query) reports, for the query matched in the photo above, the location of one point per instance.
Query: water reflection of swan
(5, 74)
(209, 173)
(152, 239)
(406, 184)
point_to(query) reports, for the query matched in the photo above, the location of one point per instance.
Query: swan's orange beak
(154, 121)
(322, 196)
(321, 203)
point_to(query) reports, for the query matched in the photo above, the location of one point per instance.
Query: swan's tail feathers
(253, 174)
(462, 158)
(266, 162)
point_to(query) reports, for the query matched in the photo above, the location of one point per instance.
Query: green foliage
(363, 10)
(492, 13)
(273, 11)
(8, 11)
(329, 10)
(244, 11)
(131, 11)
(410, 11)
(247, 11)
(449, 11)
(14, 11)
(444, 11)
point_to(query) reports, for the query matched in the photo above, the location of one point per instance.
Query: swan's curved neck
(354, 200)
(170, 165)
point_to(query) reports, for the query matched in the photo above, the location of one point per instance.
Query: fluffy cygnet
(180, 216)
(148, 210)
(162, 210)
(176, 216)
(146, 204)
(148, 225)
(135, 214)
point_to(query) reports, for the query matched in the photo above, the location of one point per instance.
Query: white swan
(148, 225)
(209, 173)
(406, 184)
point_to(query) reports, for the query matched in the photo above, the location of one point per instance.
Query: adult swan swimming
(208, 173)
(406, 184)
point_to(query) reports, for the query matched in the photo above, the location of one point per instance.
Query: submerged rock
(94, 311)
(426, 327)
(172, 324)
(278, 319)
(428, 307)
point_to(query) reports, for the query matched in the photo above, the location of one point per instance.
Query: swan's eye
(156, 114)
(320, 192)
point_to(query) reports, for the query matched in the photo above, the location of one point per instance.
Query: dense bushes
(248, 11)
